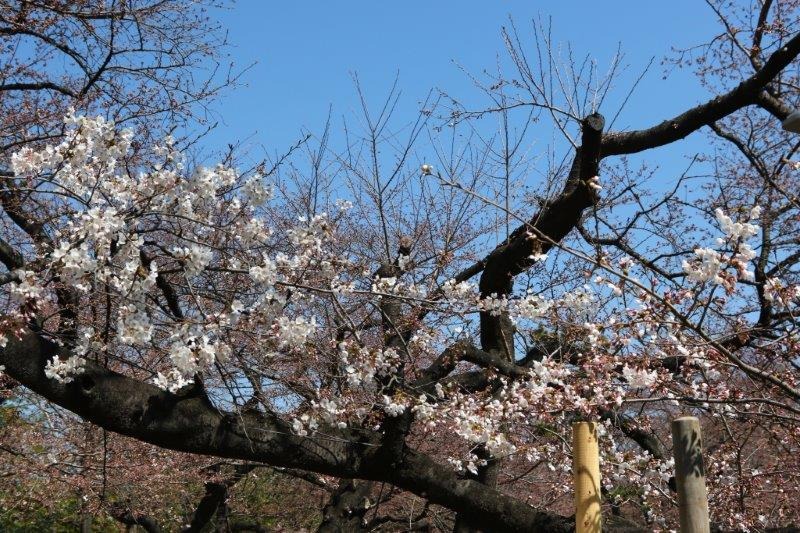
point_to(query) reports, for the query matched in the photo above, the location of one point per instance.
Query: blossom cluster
(121, 231)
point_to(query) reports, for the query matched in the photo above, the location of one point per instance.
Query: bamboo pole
(690, 475)
(586, 469)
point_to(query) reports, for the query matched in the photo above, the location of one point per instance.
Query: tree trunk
(346, 508)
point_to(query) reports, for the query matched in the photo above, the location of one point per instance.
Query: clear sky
(305, 52)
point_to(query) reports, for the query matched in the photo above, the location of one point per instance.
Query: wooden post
(586, 469)
(690, 475)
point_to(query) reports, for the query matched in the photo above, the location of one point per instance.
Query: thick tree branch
(439, 368)
(216, 493)
(190, 423)
(9, 256)
(38, 86)
(555, 220)
(773, 105)
(489, 360)
(345, 509)
(125, 516)
(173, 302)
(746, 93)
(645, 439)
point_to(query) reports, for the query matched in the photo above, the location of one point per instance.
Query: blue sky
(305, 53)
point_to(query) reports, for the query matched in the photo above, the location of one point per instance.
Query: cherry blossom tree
(150, 65)
(143, 63)
(369, 321)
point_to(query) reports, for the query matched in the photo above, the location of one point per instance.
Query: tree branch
(746, 93)
(550, 225)
(38, 86)
(189, 423)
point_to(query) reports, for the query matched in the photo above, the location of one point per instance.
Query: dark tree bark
(346, 508)
(188, 422)
(749, 92)
(125, 516)
(213, 506)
